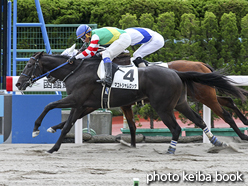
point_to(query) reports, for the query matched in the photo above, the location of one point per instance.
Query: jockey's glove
(79, 56)
(70, 61)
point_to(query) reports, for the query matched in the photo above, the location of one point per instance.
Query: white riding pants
(155, 43)
(117, 47)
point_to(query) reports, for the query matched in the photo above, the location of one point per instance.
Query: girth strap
(105, 97)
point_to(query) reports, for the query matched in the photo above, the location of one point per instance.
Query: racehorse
(164, 88)
(203, 93)
(207, 95)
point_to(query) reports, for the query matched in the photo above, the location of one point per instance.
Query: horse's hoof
(51, 130)
(124, 143)
(52, 150)
(49, 151)
(225, 144)
(171, 150)
(36, 133)
(170, 153)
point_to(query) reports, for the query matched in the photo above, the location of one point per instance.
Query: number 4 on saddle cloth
(124, 77)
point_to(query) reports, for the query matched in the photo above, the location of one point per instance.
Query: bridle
(32, 77)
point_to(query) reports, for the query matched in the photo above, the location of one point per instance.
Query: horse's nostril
(17, 84)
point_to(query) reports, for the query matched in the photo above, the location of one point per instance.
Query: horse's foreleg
(229, 103)
(128, 112)
(53, 129)
(68, 125)
(75, 114)
(66, 102)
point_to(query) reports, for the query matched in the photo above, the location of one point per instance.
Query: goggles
(84, 37)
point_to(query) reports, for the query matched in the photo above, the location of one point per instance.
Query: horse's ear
(39, 54)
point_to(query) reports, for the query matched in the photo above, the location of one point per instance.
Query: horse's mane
(55, 55)
(95, 58)
(58, 56)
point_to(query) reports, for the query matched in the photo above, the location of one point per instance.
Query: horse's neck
(52, 63)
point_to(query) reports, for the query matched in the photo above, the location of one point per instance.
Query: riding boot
(139, 62)
(108, 74)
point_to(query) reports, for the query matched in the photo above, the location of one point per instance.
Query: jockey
(150, 41)
(118, 39)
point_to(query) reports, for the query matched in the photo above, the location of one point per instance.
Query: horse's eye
(29, 65)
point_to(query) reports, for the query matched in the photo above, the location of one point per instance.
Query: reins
(47, 73)
(32, 80)
(72, 72)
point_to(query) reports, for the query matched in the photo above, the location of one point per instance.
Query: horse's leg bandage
(213, 139)
(172, 147)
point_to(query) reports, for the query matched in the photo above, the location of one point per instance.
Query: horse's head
(32, 70)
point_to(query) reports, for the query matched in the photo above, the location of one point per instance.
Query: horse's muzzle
(22, 86)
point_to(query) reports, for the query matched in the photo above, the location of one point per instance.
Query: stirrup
(104, 81)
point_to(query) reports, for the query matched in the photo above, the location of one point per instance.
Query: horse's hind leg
(128, 112)
(166, 113)
(228, 102)
(170, 121)
(228, 119)
(185, 109)
(212, 102)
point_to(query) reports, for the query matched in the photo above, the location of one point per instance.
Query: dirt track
(112, 164)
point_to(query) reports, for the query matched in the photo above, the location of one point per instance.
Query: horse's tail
(209, 67)
(214, 79)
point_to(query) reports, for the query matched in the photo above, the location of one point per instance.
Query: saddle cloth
(162, 64)
(125, 77)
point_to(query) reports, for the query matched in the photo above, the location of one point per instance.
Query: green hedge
(109, 12)
(199, 30)
(210, 31)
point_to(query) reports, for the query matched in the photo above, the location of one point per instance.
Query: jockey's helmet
(82, 30)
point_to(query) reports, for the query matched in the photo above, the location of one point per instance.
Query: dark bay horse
(203, 93)
(164, 88)
(206, 94)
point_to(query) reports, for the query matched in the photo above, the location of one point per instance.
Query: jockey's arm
(91, 50)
